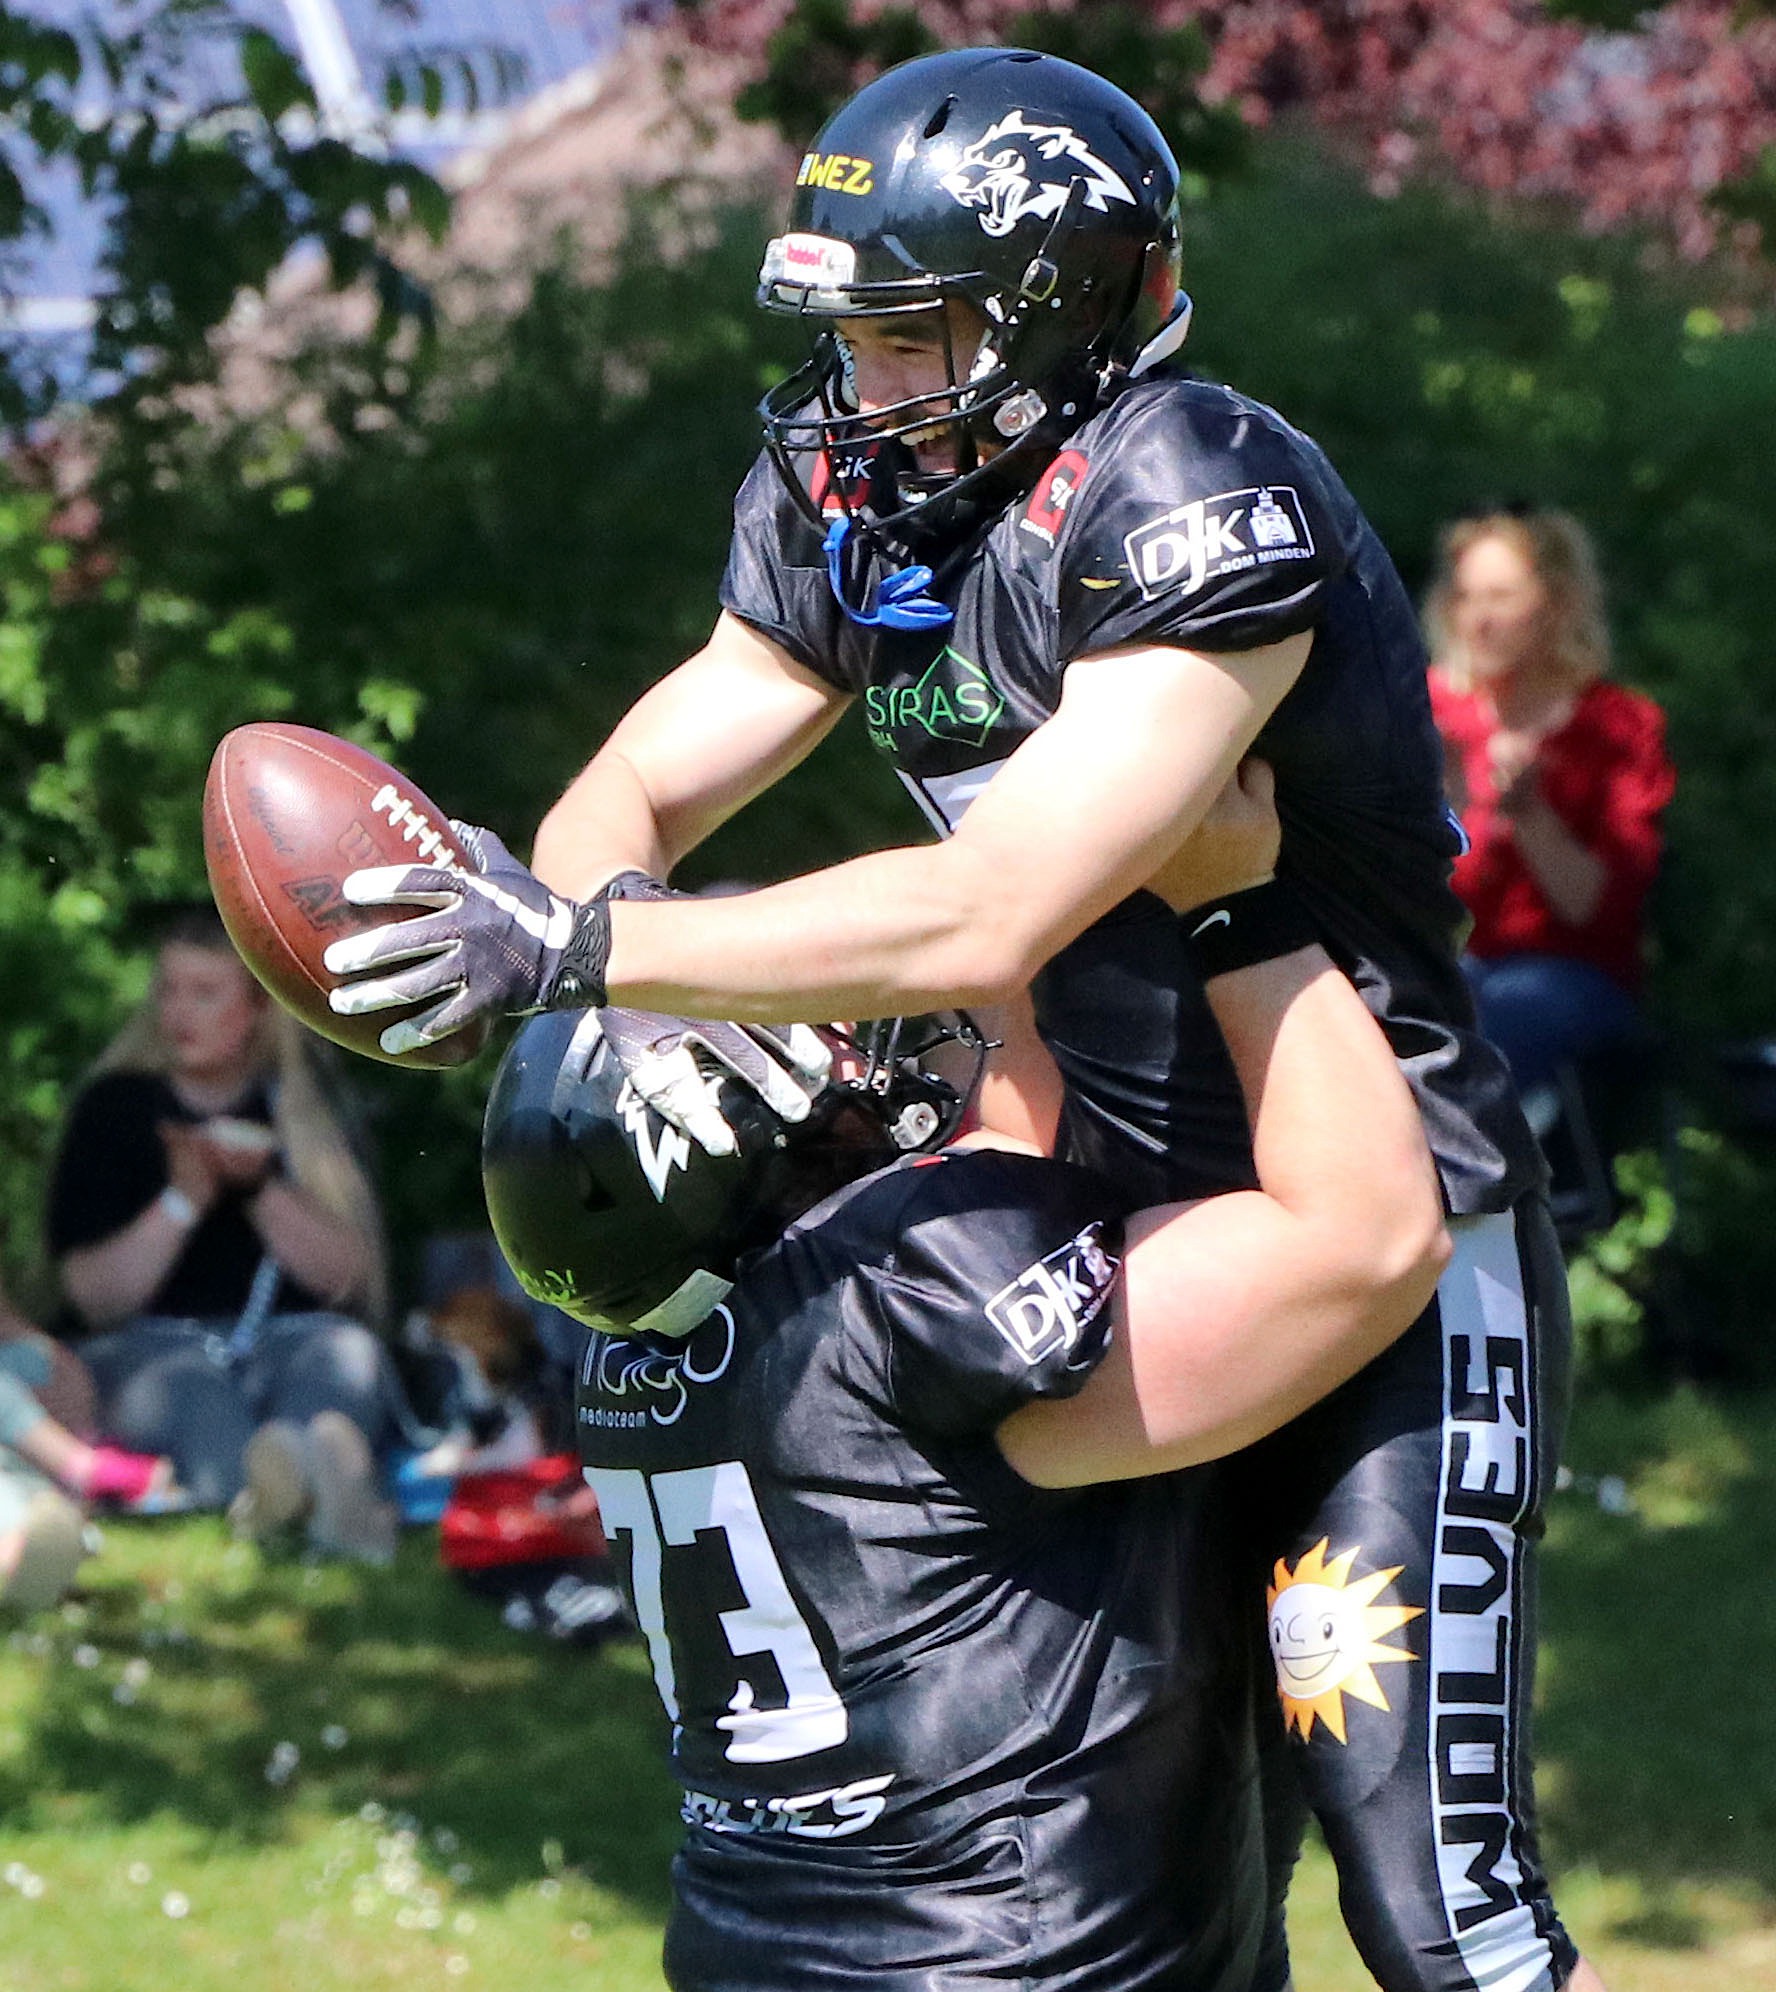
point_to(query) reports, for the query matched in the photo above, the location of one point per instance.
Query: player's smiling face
(907, 359)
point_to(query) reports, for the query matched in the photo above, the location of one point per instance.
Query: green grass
(469, 1806)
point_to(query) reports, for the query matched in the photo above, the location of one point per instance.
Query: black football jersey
(935, 1727)
(1183, 513)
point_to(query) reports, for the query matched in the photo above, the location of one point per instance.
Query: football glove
(494, 941)
(679, 1066)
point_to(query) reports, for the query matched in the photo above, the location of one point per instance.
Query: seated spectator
(213, 1226)
(46, 1470)
(1559, 777)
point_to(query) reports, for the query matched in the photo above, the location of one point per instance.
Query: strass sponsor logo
(1055, 491)
(1326, 1634)
(954, 700)
(1189, 546)
(1050, 1304)
(1017, 168)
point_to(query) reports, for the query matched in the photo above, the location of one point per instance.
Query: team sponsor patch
(1326, 1634)
(955, 701)
(1050, 1304)
(1193, 544)
(1055, 491)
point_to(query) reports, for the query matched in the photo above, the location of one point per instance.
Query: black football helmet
(1033, 189)
(607, 1211)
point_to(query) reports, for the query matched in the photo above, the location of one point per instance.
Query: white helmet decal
(658, 1154)
(1015, 169)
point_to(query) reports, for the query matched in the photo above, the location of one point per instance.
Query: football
(288, 812)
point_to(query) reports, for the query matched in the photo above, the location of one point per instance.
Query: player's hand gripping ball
(288, 813)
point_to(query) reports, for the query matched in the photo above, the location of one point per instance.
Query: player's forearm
(885, 935)
(1344, 1246)
(603, 823)
(692, 750)
(1337, 1138)
(1238, 1313)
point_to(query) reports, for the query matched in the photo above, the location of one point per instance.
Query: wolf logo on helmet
(1002, 174)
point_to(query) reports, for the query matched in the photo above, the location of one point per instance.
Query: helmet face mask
(608, 1212)
(1028, 188)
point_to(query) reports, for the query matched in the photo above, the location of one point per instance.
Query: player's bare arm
(1091, 807)
(1238, 1312)
(1093, 804)
(693, 749)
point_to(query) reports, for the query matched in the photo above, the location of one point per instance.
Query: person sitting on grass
(212, 1224)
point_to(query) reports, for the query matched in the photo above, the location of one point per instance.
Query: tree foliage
(196, 138)
(1664, 117)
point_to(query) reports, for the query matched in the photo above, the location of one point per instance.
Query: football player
(952, 1658)
(1069, 586)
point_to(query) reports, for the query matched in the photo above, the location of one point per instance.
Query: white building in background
(526, 54)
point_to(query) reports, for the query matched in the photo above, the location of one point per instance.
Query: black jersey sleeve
(999, 1288)
(776, 576)
(1208, 522)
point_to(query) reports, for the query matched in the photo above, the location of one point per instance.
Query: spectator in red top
(1560, 778)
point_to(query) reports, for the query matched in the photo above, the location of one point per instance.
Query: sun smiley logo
(1325, 1637)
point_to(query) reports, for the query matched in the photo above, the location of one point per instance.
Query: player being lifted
(959, 1695)
(1071, 586)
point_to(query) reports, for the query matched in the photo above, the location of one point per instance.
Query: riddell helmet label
(814, 262)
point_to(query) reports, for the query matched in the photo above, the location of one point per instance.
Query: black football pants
(1396, 1525)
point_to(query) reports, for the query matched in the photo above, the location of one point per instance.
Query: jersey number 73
(666, 1512)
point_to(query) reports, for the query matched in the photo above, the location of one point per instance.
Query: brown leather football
(288, 812)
